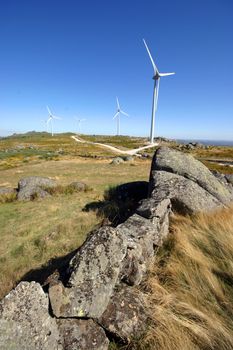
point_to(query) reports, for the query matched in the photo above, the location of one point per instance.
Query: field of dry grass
(190, 286)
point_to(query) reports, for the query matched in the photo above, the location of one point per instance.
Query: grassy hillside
(32, 233)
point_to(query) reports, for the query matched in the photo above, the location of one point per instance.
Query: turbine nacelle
(159, 75)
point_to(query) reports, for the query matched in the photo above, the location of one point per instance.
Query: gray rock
(126, 315)
(185, 165)
(78, 186)
(33, 187)
(128, 159)
(143, 237)
(186, 196)
(82, 335)
(94, 271)
(117, 160)
(25, 322)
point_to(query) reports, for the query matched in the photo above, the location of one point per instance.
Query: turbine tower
(50, 120)
(79, 123)
(156, 77)
(117, 115)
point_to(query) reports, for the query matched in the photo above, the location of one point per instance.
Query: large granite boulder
(25, 322)
(34, 187)
(176, 162)
(189, 184)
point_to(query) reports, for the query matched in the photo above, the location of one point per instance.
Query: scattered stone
(117, 160)
(80, 334)
(25, 322)
(128, 159)
(125, 316)
(78, 186)
(34, 187)
(229, 178)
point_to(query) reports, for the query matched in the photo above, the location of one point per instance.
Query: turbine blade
(124, 113)
(118, 104)
(152, 61)
(116, 115)
(54, 117)
(166, 74)
(49, 110)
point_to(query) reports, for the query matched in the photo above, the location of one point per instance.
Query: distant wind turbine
(50, 120)
(156, 77)
(117, 115)
(79, 121)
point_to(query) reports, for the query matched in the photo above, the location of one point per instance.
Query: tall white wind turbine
(50, 120)
(117, 115)
(156, 77)
(79, 121)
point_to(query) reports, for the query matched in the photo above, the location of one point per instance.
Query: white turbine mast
(50, 120)
(79, 121)
(156, 77)
(117, 115)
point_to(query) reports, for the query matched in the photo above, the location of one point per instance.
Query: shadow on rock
(119, 202)
(55, 269)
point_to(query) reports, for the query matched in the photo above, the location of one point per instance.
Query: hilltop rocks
(34, 186)
(186, 181)
(25, 322)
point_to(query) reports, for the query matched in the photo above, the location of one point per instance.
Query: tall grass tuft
(190, 286)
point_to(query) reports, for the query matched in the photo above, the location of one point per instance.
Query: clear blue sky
(77, 56)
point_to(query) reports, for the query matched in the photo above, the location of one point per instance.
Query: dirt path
(114, 149)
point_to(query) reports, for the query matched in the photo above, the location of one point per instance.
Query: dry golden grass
(190, 286)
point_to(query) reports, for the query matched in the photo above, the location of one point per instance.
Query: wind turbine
(79, 123)
(50, 120)
(156, 77)
(117, 115)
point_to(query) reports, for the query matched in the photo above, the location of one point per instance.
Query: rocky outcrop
(186, 181)
(34, 187)
(99, 296)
